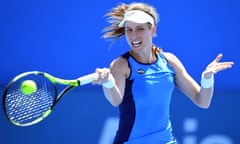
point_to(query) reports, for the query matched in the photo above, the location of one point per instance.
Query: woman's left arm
(207, 79)
(202, 94)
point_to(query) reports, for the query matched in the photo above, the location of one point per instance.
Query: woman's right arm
(117, 75)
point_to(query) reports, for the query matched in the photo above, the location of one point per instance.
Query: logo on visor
(130, 13)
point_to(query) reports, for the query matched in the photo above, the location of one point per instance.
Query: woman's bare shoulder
(174, 61)
(120, 66)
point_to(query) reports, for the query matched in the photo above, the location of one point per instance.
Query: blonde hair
(116, 15)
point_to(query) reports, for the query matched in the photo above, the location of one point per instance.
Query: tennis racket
(28, 109)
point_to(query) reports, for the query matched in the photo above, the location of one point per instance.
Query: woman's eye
(128, 30)
(140, 29)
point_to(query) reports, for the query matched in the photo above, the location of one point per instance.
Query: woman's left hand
(215, 66)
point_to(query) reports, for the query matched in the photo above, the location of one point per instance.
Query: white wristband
(207, 82)
(110, 83)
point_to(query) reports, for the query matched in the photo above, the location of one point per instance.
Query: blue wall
(64, 39)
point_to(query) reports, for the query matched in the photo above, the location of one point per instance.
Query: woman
(141, 81)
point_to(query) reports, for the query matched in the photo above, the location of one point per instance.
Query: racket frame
(54, 80)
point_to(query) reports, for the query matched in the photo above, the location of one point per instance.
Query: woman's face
(139, 36)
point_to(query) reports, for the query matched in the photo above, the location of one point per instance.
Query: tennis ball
(28, 87)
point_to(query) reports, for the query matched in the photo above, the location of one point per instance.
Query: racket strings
(23, 108)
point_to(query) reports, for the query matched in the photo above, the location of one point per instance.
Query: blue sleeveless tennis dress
(144, 112)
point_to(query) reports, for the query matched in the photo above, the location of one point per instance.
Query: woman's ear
(154, 30)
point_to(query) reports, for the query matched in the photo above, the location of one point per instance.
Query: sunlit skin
(139, 38)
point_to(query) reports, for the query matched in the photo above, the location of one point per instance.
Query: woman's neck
(144, 56)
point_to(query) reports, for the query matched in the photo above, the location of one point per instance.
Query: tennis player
(141, 81)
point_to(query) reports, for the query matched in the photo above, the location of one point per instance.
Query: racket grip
(87, 78)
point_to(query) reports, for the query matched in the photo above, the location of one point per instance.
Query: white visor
(136, 16)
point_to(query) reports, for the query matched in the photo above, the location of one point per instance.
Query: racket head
(26, 110)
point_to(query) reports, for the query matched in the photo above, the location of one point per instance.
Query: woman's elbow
(203, 105)
(115, 103)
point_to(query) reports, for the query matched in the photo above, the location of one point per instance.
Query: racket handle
(87, 78)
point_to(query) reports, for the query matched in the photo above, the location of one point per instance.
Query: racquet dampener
(23, 109)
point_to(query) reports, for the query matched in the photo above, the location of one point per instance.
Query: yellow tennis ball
(28, 87)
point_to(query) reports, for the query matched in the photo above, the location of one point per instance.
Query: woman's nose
(133, 34)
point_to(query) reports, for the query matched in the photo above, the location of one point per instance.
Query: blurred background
(63, 38)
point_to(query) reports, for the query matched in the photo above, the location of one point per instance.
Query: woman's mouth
(136, 43)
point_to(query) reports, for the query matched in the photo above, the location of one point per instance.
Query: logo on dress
(140, 71)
